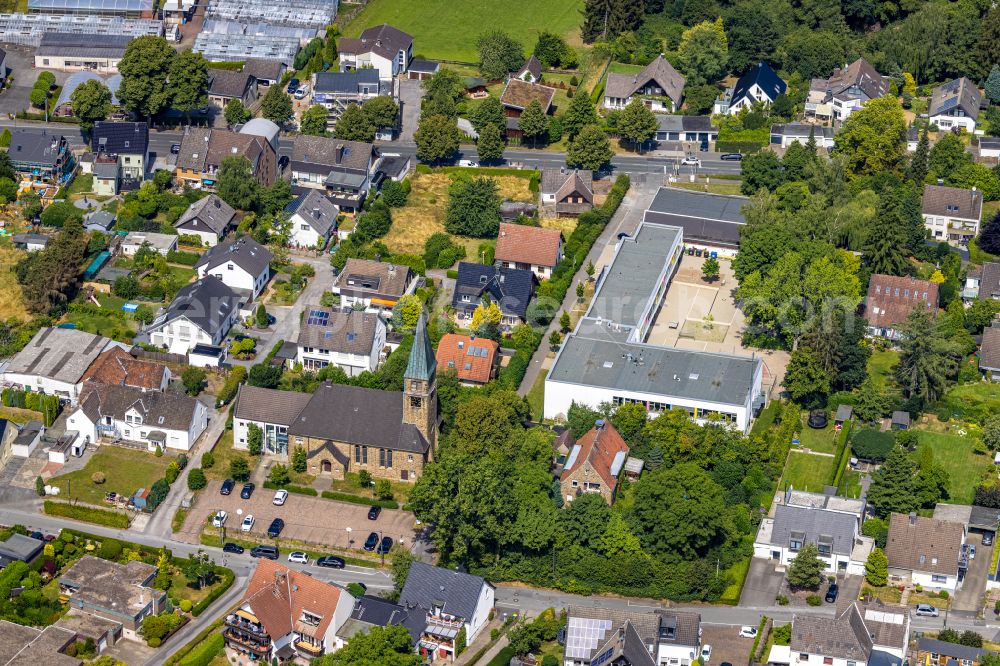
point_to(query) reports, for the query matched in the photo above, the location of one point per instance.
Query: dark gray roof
(106, 169)
(30, 239)
(956, 202)
(315, 209)
(345, 82)
(35, 146)
(954, 650)
(374, 278)
(245, 252)
(20, 547)
(207, 303)
(228, 82)
(677, 123)
(394, 166)
(989, 281)
(380, 612)
(843, 637)
(552, 180)
(510, 288)
(960, 93)
(61, 354)
(345, 331)
(269, 405)
(709, 218)
(264, 69)
(159, 409)
(427, 66)
(989, 350)
(120, 138)
(844, 413)
(385, 40)
(659, 71)
(28, 433)
(531, 65)
(84, 45)
(810, 525)
(317, 154)
(211, 212)
(454, 592)
(802, 130)
(355, 415)
(764, 77)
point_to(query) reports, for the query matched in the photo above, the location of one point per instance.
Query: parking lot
(310, 520)
(20, 62)
(727, 646)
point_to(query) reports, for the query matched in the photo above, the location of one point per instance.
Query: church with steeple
(389, 434)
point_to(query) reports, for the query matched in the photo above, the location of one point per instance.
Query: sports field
(447, 29)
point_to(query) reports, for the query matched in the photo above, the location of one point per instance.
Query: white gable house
(243, 265)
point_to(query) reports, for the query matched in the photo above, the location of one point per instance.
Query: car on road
(748, 632)
(706, 653)
(280, 497)
(298, 557)
(247, 490)
(227, 487)
(268, 552)
(926, 610)
(373, 512)
(467, 163)
(175, 148)
(247, 523)
(293, 85)
(972, 551)
(331, 561)
(385, 545)
(275, 528)
(371, 541)
(691, 161)
(731, 157)
(987, 539)
(230, 547)
(831, 593)
(219, 519)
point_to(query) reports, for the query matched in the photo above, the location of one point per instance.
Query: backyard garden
(112, 469)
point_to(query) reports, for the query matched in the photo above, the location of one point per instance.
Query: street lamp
(350, 541)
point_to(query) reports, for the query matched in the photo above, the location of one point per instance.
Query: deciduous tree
(91, 101)
(314, 120)
(354, 125)
(703, 52)
(579, 114)
(236, 113)
(473, 208)
(236, 184)
(533, 123)
(637, 123)
(436, 138)
(873, 140)
(499, 54)
(490, 144)
(144, 67)
(381, 111)
(276, 105)
(590, 149)
(189, 81)
(489, 112)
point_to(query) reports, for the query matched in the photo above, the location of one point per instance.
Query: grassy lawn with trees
(805, 471)
(223, 453)
(124, 470)
(823, 441)
(881, 365)
(955, 454)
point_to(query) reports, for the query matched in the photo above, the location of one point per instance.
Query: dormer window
(311, 618)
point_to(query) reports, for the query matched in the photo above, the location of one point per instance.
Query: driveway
(970, 597)
(410, 94)
(21, 62)
(727, 646)
(762, 584)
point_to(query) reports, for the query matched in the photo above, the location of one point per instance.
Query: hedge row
(205, 653)
(86, 514)
(354, 499)
(186, 655)
(274, 350)
(228, 577)
(232, 385)
(745, 147)
(48, 405)
(843, 455)
(181, 257)
(298, 490)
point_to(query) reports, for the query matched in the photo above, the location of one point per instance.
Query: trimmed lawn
(183, 274)
(448, 30)
(125, 471)
(350, 485)
(974, 400)
(623, 68)
(954, 453)
(224, 453)
(536, 397)
(823, 441)
(880, 366)
(805, 471)
(850, 484)
(888, 595)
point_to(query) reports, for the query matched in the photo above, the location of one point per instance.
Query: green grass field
(850, 484)
(973, 400)
(125, 471)
(448, 30)
(823, 441)
(805, 471)
(536, 397)
(954, 453)
(881, 365)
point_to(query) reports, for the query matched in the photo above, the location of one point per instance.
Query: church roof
(422, 363)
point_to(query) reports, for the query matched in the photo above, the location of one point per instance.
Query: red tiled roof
(528, 245)
(116, 366)
(456, 352)
(892, 298)
(277, 595)
(598, 448)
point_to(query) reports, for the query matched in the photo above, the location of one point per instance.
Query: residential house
(263, 129)
(272, 411)
(103, 632)
(516, 97)
(106, 176)
(383, 48)
(989, 353)
(378, 612)
(128, 143)
(760, 85)
(863, 635)
(847, 89)
(926, 552)
(22, 645)
(113, 412)
(785, 134)
(119, 592)
(451, 601)
(955, 105)
(529, 248)
(210, 219)
(509, 288)
(662, 637)
(658, 85)
(832, 524)
(338, 90)
(313, 218)
(287, 612)
(389, 434)
(594, 464)
(266, 72)
(73, 51)
(162, 243)
(473, 360)
(350, 339)
(531, 70)
(40, 156)
(344, 170)
(989, 281)
(571, 191)
(226, 85)
(8, 431)
(19, 548)
(476, 87)
(200, 314)
(686, 128)
(375, 284)
(932, 652)
(30, 242)
(952, 214)
(244, 265)
(202, 151)
(99, 220)
(891, 299)
(421, 70)
(395, 167)
(119, 368)
(54, 362)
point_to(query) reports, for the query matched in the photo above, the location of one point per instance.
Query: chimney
(913, 518)
(340, 152)
(392, 269)
(599, 424)
(316, 213)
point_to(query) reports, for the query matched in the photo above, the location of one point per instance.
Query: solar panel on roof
(318, 318)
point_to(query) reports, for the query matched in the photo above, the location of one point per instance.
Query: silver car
(926, 610)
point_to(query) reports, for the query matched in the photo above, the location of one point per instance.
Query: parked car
(731, 157)
(230, 547)
(972, 551)
(331, 561)
(280, 497)
(247, 490)
(748, 632)
(987, 539)
(302, 92)
(831, 593)
(37, 535)
(691, 161)
(282, 162)
(175, 148)
(268, 552)
(227, 487)
(706, 653)
(219, 519)
(298, 557)
(385, 545)
(247, 523)
(371, 541)
(926, 610)
(293, 85)
(467, 163)
(373, 512)
(275, 528)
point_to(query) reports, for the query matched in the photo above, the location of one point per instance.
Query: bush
(814, 600)
(869, 444)
(236, 377)
(196, 479)
(298, 490)
(186, 605)
(110, 549)
(172, 471)
(98, 478)
(226, 578)
(943, 594)
(86, 514)
(782, 600)
(205, 651)
(185, 258)
(354, 499)
(208, 460)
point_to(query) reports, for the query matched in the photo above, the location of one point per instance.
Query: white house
(664, 637)
(27, 439)
(210, 219)
(30, 242)
(786, 134)
(989, 148)
(860, 635)
(926, 551)
(376, 285)
(955, 105)
(759, 85)
(952, 214)
(201, 314)
(54, 362)
(385, 48)
(153, 418)
(352, 340)
(658, 85)
(313, 218)
(162, 243)
(243, 265)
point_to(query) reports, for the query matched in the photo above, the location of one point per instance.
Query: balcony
(245, 626)
(260, 645)
(311, 649)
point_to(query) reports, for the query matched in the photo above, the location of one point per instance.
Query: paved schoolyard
(311, 520)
